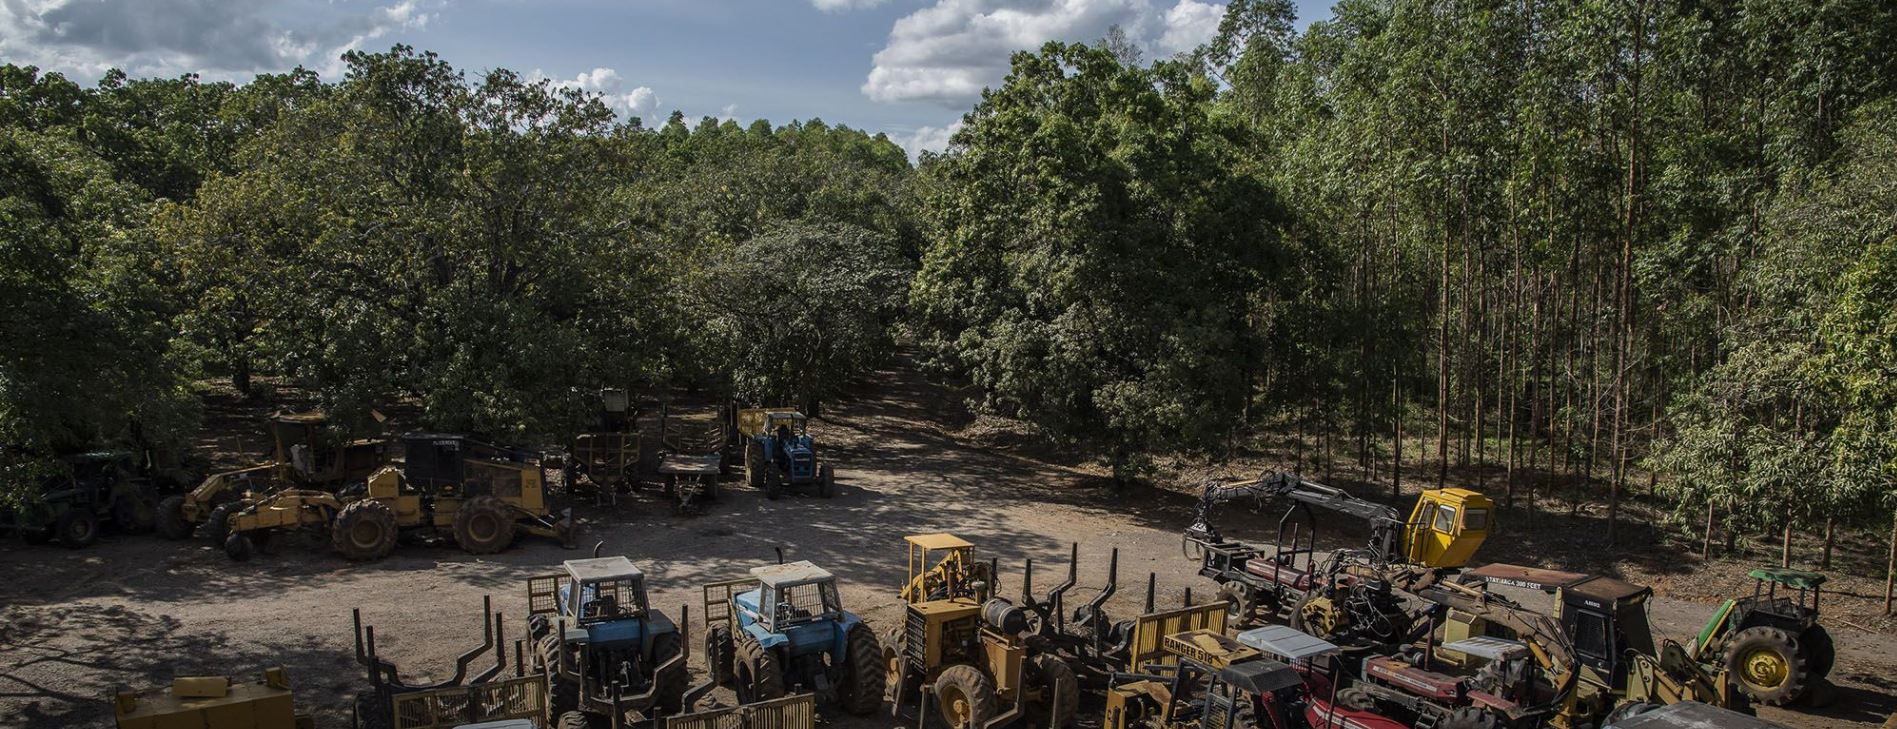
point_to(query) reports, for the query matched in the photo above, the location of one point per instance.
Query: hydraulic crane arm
(1384, 521)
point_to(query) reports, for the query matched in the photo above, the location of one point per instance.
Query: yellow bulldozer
(307, 453)
(447, 486)
(969, 649)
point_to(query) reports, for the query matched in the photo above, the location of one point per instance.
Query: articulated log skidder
(446, 486)
(308, 453)
(1351, 596)
(1497, 663)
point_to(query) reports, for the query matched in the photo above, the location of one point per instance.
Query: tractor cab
(308, 449)
(1605, 618)
(1446, 527)
(605, 598)
(793, 603)
(941, 567)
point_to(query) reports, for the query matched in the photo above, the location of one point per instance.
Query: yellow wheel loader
(447, 487)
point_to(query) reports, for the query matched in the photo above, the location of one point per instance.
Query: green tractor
(83, 492)
(1771, 642)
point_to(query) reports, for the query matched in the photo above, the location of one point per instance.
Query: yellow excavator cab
(1447, 526)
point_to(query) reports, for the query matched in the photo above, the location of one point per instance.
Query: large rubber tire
(1309, 627)
(76, 528)
(719, 654)
(773, 484)
(484, 525)
(826, 481)
(1820, 653)
(754, 465)
(965, 697)
(862, 687)
(217, 526)
(1060, 692)
(238, 547)
(1766, 664)
(670, 697)
(134, 513)
(758, 677)
(1468, 717)
(1630, 710)
(170, 518)
(576, 720)
(364, 530)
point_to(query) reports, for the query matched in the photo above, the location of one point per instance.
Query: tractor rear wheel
(170, 518)
(966, 696)
(754, 464)
(238, 547)
(863, 687)
(1060, 692)
(1767, 664)
(484, 525)
(1820, 652)
(217, 526)
(1356, 698)
(826, 482)
(77, 527)
(759, 677)
(670, 698)
(364, 530)
(718, 654)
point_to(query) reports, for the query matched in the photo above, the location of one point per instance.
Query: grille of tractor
(915, 639)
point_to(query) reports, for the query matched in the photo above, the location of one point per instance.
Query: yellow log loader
(969, 649)
(307, 453)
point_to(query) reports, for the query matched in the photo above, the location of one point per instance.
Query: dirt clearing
(137, 610)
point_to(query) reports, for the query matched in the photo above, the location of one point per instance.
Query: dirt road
(137, 610)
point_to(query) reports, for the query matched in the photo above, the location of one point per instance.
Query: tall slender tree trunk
(1624, 286)
(1890, 566)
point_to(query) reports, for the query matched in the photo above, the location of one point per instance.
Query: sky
(908, 68)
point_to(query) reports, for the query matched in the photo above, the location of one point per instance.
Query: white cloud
(837, 6)
(606, 83)
(948, 52)
(1188, 25)
(929, 139)
(218, 38)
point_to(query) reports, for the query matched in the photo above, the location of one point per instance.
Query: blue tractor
(604, 650)
(779, 452)
(789, 632)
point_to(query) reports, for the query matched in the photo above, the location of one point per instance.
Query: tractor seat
(1286, 575)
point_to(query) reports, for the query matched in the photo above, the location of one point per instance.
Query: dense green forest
(1573, 241)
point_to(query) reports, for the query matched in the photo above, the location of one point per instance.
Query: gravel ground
(137, 610)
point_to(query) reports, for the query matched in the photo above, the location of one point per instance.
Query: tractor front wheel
(863, 686)
(773, 483)
(670, 700)
(217, 526)
(575, 720)
(1768, 665)
(759, 677)
(1060, 692)
(484, 525)
(966, 696)
(77, 528)
(827, 482)
(364, 530)
(239, 547)
(134, 513)
(170, 518)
